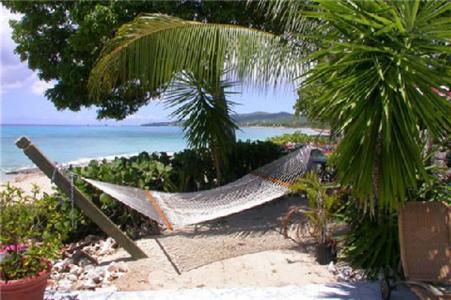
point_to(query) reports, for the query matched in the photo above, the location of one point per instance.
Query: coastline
(27, 181)
(319, 130)
(27, 178)
(26, 175)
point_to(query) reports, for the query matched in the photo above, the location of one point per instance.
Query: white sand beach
(27, 180)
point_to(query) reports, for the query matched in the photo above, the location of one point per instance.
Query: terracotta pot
(30, 288)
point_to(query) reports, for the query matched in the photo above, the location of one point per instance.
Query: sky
(22, 99)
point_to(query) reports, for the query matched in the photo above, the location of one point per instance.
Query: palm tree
(162, 53)
(202, 108)
(373, 70)
(376, 67)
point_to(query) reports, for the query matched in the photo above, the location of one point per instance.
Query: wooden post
(88, 208)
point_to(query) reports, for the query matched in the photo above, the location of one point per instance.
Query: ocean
(80, 144)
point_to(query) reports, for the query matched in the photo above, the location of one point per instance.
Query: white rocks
(109, 276)
(75, 270)
(71, 277)
(332, 268)
(112, 267)
(80, 271)
(106, 247)
(64, 285)
(87, 285)
(62, 266)
(345, 273)
(122, 267)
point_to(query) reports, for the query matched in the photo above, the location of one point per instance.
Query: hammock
(175, 210)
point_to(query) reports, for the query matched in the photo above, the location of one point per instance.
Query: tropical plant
(374, 76)
(153, 48)
(316, 219)
(436, 185)
(202, 108)
(31, 233)
(370, 244)
(188, 60)
(298, 138)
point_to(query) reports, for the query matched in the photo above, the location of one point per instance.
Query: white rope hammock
(176, 210)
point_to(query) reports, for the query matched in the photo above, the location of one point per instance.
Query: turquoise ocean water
(79, 144)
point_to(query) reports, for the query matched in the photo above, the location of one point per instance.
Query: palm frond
(290, 13)
(203, 109)
(374, 82)
(154, 47)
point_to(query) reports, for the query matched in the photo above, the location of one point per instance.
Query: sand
(273, 268)
(242, 250)
(26, 181)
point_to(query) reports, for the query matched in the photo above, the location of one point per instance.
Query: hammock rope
(175, 210)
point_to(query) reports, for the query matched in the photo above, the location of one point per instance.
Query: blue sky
(23, 102)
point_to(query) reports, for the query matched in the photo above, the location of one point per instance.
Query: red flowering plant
(30, 233)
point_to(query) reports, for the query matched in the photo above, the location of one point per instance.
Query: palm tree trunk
(219, 155)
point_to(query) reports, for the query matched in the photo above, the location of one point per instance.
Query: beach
(26, 182)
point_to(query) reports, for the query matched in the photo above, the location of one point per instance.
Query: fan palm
(201, 106)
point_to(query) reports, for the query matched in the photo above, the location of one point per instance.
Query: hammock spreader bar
(158, 210)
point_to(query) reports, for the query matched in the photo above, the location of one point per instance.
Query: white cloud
(38, 87)
(15, 74)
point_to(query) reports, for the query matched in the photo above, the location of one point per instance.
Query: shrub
(248, 156)
(192, 170)
(317, 218)
(371, 243)
(298, 138)
(146, 171)
(32, 230)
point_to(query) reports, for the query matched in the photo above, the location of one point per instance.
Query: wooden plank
(158, 209)
(86, 206)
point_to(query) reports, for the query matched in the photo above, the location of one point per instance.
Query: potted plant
(26, 245)
(315, 219)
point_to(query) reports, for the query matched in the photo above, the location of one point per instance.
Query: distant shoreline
(152, 125)
(250, 126)
(66, 146)
(78, 163)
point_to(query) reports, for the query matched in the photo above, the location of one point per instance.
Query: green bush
(192, 170)
(248, 156)
(371, 244)
(299, 138)
(32, 230)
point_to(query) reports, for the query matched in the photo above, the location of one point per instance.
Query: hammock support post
(88, 208)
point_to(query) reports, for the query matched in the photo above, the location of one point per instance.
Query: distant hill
(256, 119)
